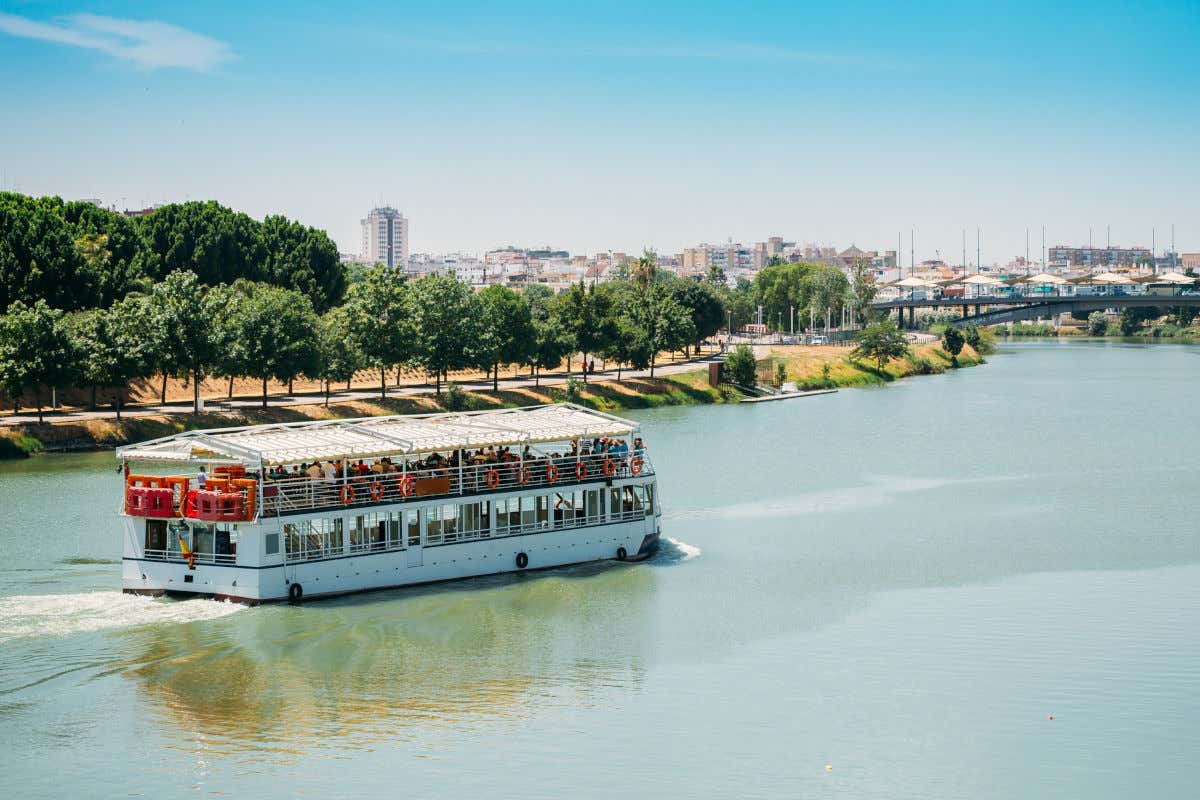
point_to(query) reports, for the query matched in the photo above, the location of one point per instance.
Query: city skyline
(661, 127)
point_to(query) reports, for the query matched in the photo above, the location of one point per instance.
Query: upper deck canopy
(370, 437)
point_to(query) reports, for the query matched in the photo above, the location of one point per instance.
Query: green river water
(881, 593)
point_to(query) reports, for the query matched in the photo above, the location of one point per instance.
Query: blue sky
(621, 125)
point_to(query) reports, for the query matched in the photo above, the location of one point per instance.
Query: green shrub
(20, 446)
(740, 367)
(924, 366)
(456, 398)
(574, 390)
(1097, 323)
(780, 373)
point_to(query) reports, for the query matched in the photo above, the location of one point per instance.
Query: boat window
(433, 525)
(395, 538)
(271, 541)
(649, 497)
(414, 529)
(543, 510)
(528, 510)
(450, 526)
(203, 539)
(592, 504)
(156, 534)
(614, 501)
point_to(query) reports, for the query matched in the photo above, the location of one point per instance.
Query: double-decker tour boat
(275, 512)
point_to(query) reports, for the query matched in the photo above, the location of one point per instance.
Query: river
(879, 593)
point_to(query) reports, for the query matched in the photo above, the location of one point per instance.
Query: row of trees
(75, 255)
(180, 327)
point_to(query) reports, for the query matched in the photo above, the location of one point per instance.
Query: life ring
(551, 473)
(523, 476)
(347, 494)
(610, 468)
(621, 554)
(635, 466)
(405, 485)
(295, 592)
(376, 492)
(493, 479)
(522, 561)
(580, 470)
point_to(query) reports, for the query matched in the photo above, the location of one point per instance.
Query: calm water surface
(900, 583)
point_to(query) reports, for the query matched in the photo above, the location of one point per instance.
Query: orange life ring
(610, 468)
(493, 479)
(580, 470)
(347, 494)
(523, 476)
(551, 473)
(376, 492)
(405, 485)
(635, 466)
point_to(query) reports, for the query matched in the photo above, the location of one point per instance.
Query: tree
(1097, 323)
(741, 367)
(1132, 318)
(35, 351)
(952, 342)
(382, 313)
(716, 278)
(273, 331)
(703, 305)
(444, 328)
(551, 344)
(337, 356)
(863, 289)
(188, 314)
(973, 337)
(880, 342)
(826, 289)
(645, 270)
(303, 259)
(216, 243)
(505, 330)
(114, 346)
(586, 317)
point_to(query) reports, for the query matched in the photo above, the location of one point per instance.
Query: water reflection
(342, 674)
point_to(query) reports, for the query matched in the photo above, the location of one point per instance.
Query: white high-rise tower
(385, 238)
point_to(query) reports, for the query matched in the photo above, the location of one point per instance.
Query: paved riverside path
(27, 417)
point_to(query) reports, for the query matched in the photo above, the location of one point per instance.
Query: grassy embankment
(805, 365)
(684, 389)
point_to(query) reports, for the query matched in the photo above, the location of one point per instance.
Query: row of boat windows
(456, 522)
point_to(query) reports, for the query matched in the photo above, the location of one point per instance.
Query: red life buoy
(347, 494)
(376, 492)
(635, 466)
(493, 479)
(405, 485)
(523, 476)
(551, 473)
(610, 468)
(580, 470)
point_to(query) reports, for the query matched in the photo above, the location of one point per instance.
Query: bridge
(1021, 303)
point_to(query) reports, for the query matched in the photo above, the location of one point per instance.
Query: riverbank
(810, 367)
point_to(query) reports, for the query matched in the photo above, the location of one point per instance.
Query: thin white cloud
(148, 44)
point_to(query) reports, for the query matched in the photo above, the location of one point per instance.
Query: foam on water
(673, 551)
(64, 614)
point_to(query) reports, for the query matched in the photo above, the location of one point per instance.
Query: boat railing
(200, 558)
(295, 495)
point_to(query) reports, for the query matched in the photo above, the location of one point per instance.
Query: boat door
(412, 529)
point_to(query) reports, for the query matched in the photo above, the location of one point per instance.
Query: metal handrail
(293, 495)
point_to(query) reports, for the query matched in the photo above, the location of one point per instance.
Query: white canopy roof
(372, 437)
(1171, 277)
(913, 282)
(1110, 277)
(1044, 278)
(987, 280)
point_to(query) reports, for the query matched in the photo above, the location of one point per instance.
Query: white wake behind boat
(300, 510)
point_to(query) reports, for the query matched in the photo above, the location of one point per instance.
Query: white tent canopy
(1171, 277)
(1045, 278)
(372, 437)
(913, 282)
(1110, 277)
(982, 280)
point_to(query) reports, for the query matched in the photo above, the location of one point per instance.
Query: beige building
(1190, 261)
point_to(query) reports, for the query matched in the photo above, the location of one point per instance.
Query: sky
(622, 125)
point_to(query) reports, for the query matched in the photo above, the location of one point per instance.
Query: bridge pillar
(977, 309)
(912, 317)
(964, 310)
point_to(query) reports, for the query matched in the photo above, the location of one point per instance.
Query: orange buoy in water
(1049, 716)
